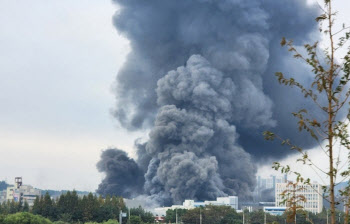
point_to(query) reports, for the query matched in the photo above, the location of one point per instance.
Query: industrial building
(312, 194)
(22, 193)
(191, 204)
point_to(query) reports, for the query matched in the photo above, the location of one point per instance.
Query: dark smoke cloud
(123, 175)
(200, 75)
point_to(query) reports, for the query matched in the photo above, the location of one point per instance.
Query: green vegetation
(171, 215)
(100, 207)
(68, 208)
(71, 208)
(24, 218)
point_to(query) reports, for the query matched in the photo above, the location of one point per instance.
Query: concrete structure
(312, 194)
(22, 193)
(191, 204)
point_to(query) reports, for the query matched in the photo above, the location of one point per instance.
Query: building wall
(312, 193)
(25, 193)
(9, 193)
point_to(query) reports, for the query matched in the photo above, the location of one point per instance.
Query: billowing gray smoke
(118, 166)
(200, 75)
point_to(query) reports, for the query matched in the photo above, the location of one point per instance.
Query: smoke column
(200, 76)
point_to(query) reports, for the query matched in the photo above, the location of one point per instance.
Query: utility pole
(200, 215)
(129, 216)
(120, 216)
(243, 216)
(176, 215)
(327, 216)
(264, 217)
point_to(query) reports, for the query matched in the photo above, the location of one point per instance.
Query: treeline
(228, 215)
(91, 209)
(70, 207)
(11, 207)
(29, 218)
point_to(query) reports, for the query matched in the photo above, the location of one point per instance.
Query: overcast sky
(58, 61)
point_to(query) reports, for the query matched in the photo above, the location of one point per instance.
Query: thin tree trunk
(346, 215)
(331, 117)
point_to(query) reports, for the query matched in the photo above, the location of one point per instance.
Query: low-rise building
(191, 204)
(23, 193)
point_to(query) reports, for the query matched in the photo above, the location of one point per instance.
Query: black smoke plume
(118, 166)
(200, 75)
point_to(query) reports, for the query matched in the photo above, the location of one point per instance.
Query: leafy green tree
(25, 218)
(65, 217)
(135, 219)
(192, 216)
(146, 217)
(330, 93)
(212, 214)
(61, 222)
(171, 215)
(111, 222)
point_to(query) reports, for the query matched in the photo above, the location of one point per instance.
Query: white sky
(58, 60)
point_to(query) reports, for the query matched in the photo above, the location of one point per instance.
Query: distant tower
(18, 182)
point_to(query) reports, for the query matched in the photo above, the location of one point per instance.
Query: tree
(47, 206)
(90, 207)
(135, 219)
(330, 94)
(146, 217)
(25, 207)
(293, 200)
(170, 215)
(25, 217)
(212, 214)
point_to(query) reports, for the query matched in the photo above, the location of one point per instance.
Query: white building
(191, 204)
(312, 193)
(23, 193)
